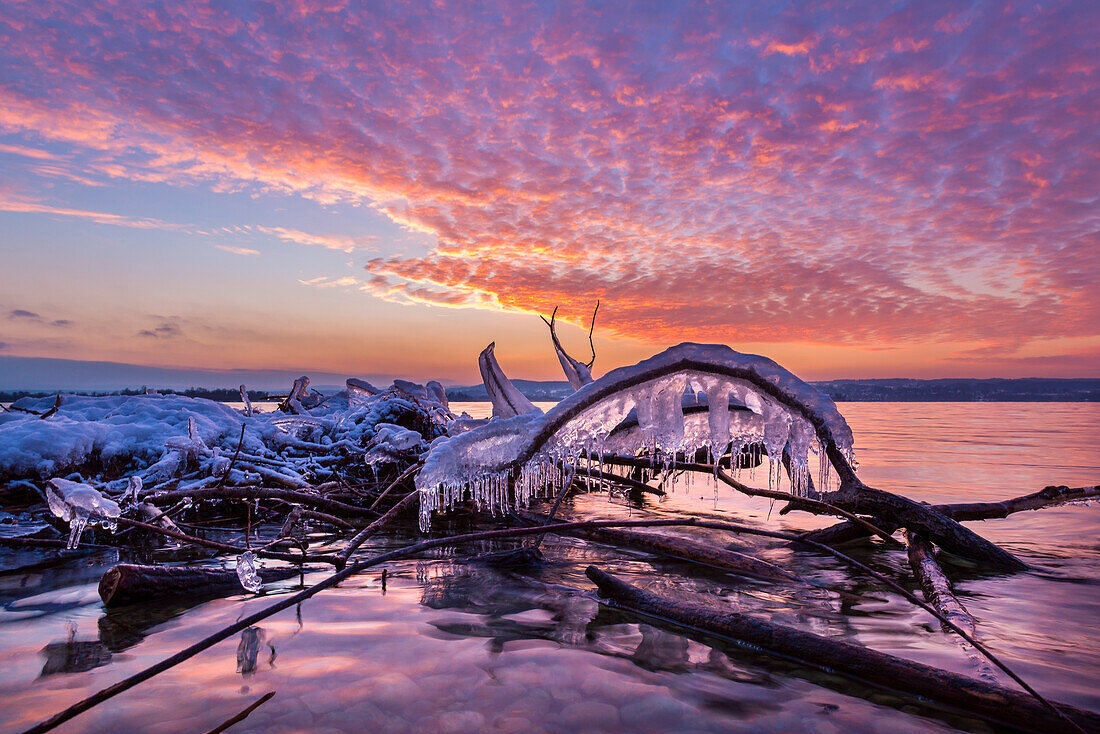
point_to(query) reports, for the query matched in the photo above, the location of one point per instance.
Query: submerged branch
(985, 699)
(1046, 497)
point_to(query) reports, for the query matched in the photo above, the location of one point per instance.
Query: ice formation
(79, 504)
(507, 400)
(640, 409)
(132, 447)
(576, 373)
(247, 573)
(391, 443)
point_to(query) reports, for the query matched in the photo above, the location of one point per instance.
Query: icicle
(638, 416)
(718, 418)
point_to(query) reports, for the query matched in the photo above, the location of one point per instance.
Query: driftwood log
(939, 593)
(682, 549)
(1007, 707)
(127, 583)
(1048, 496)
(853, 496)
(937, 589)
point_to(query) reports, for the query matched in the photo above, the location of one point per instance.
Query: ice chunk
(247, 573)
(390, 442)
(190, 446)
(400, 438)
(464, 423)
(414, 389)
(219, 464)
(437, 393)
(361, 386)
(77, 503)
(507, 400)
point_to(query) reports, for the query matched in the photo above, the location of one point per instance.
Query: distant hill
(536, 391)
(21, 375)
(900, 390)
(963, 390)
(71, 375)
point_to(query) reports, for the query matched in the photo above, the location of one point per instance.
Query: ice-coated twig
(79, 504)
(576, 373)
(248, 411)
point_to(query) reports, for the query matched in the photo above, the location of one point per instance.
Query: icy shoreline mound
(113, 428)
(529, 451)
(161, 436)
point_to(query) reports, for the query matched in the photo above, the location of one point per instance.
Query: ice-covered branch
(576, 373)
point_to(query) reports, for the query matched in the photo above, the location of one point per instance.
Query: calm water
(461, 647)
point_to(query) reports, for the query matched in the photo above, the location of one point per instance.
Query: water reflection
(248, 650)
(73, 656)
(470, 647)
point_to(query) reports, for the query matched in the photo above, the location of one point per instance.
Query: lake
(451, 646)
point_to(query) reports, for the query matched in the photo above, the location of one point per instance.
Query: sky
(853, 189)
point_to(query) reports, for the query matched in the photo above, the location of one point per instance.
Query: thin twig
(233, 461)
(226, 547)
(410, 499)
(242, 715)
(591, 328)
(404, 475)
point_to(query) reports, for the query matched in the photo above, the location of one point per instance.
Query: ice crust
(481, 463)
(132, 429)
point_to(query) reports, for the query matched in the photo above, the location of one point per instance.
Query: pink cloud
(868, 175)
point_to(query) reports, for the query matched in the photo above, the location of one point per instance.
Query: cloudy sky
(858, 190)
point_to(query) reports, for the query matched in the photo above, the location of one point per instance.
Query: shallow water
(453, 646)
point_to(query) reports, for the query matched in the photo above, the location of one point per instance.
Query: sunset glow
(886, 189)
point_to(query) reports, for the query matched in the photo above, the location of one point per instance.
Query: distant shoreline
(891, 390)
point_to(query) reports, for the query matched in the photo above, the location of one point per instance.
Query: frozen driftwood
(1047, 497)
